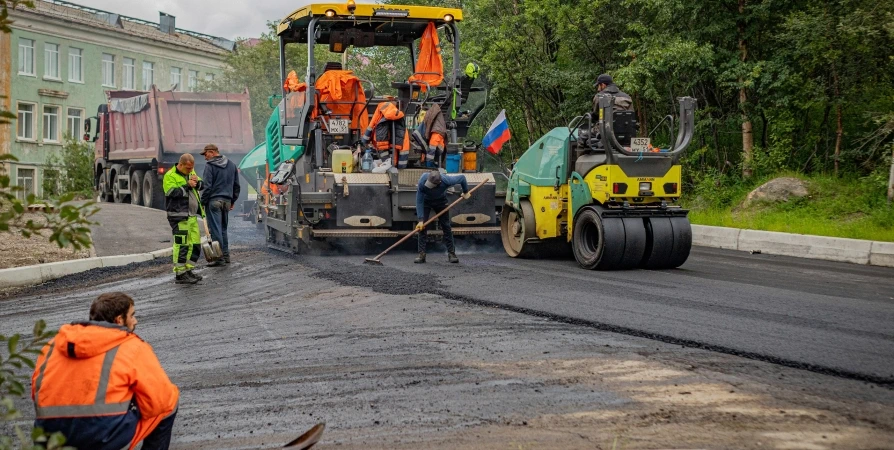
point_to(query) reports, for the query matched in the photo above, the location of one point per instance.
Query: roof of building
(96, 18)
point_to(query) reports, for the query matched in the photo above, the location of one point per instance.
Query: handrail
(684, 134)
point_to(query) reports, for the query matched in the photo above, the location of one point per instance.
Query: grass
(839, 207)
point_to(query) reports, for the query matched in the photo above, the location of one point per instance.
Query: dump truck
(315, 189)
(598, 191)
(140, 135)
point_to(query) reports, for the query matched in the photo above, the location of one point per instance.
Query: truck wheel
(117, 196)
(153, 196)
(105, 194)
(136, 188)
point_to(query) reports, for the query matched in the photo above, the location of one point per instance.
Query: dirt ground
(17, 251)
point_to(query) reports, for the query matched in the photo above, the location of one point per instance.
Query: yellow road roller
(595, 189)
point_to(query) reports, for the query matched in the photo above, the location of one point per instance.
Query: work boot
(226, 259)
(420, 259)
(184, 278)
(217, 263)
(192, 274)
(451, 257)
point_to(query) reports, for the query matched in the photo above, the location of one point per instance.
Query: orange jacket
(88, 378)
(389, 118)
(295, 92)
(343, 86)
(429, 66)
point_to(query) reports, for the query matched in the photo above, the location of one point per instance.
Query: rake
(375, 261)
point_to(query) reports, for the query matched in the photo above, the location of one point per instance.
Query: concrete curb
(854, 251)
(41, 273)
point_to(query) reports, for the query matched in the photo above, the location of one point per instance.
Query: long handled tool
(210, 248)
(403, 239)
(309, 438)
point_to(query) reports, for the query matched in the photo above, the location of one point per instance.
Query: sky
(229, 19)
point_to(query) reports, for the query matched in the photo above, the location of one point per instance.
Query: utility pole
(891, 180)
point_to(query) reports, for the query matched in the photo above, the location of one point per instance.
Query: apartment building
(61, 58)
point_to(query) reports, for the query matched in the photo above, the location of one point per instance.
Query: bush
(70, 172)
(22, 355)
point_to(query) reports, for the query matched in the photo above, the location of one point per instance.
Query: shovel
(210, 248)
(375, 261)
(309, 438)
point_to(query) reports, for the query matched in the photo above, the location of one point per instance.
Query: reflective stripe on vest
(98, 408)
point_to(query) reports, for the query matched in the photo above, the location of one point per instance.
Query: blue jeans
(443, 221)
(218, 212)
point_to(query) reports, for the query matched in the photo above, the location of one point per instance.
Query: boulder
(777, 190)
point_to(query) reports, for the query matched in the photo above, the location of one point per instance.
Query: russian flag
(497, 135)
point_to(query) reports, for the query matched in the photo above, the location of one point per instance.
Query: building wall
(85, 96)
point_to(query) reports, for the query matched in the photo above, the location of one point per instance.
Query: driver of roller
(431, 198)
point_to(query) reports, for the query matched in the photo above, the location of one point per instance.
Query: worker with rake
(431, 196)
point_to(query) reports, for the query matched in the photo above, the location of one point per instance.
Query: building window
(108, 70)
(25, 121)
(148, 71)
(193, 80)
(26, 56)
(25, 180)
(75, 65)
(209, 77)
(51, 124)
(51, 61)
(129, 82)
(76, 123)
(175, 79)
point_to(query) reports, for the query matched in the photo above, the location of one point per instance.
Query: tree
(5, 22)
(70, 172)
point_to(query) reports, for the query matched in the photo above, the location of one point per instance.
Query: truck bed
(168, 124)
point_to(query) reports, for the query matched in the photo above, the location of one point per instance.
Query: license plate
(339, 126)
(639, 144)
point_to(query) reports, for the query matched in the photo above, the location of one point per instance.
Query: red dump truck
(139, 135)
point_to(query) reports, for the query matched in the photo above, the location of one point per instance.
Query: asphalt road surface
(834, 318)
(501, 353)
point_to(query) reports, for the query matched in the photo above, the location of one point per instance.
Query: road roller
(598, 191)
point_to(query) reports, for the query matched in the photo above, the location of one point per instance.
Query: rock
(777, 190)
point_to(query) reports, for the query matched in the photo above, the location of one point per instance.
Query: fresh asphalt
(832, 318)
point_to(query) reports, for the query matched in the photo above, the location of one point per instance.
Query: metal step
(378, 233)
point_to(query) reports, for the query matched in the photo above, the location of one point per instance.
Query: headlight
(448, 18)
(645, 186)
(330, 13)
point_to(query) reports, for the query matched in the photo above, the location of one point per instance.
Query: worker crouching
(183, 204)
(431, 197)
(102, 386)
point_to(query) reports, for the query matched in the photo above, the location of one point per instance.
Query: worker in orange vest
(102, 386)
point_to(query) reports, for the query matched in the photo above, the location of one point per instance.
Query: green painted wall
(86, 95)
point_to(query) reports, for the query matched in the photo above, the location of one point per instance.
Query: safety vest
(387, 126)
(88, 380)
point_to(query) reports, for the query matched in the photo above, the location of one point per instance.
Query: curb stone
(41, 273)
(856, 251)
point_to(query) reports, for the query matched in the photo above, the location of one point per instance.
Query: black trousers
(443, 221)
(160, 437)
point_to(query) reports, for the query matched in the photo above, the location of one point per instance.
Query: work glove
(420, 226)
(466, 195)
